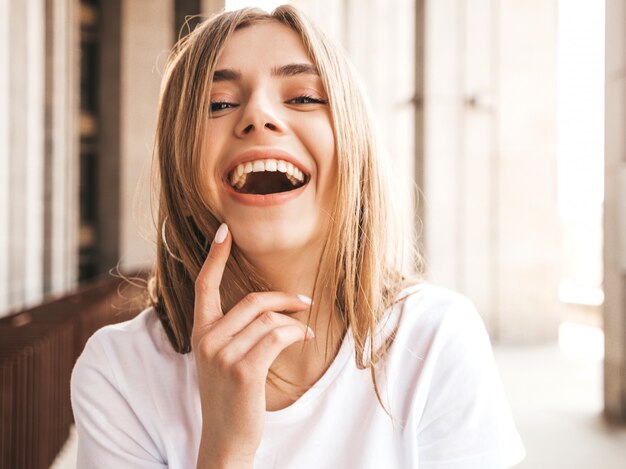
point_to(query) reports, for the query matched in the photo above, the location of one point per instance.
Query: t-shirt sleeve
(466, 421)
(109, 432)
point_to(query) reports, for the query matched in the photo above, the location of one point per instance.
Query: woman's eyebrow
(288, 70)
(226, 74)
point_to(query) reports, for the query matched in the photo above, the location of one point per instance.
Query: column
(615, 213)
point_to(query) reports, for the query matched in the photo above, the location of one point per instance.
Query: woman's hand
(233, 353)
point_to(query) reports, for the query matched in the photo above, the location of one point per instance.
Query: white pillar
(33, 175)
(210, 7)
(443, 142)
(529, 248)
(615, 213)
(4, 154)
(23, 109)
(147, 36)
(64, 159)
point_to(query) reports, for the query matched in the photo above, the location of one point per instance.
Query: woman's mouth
(266, 176)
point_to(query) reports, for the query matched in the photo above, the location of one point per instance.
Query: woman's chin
(293, 244)
(266, 249)
(289, 239)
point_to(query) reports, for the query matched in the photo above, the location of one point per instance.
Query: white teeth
(237, 180)
(239, 175)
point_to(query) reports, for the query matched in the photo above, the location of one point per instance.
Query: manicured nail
(305, 299)
(221, 233)
(309, 333)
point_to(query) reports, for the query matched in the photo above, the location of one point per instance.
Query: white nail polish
(221, 233)
(305, 299)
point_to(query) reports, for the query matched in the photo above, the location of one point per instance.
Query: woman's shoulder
(134, 346)
(123, 384)
(446, 377)
(428, 305)
(428, 318)
(144, 333)
(127, 362)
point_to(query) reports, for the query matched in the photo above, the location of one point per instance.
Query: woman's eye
(307, 100)
(221, 105)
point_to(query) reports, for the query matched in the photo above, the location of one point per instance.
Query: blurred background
(508, 115)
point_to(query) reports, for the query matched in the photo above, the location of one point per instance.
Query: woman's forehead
(263, 45)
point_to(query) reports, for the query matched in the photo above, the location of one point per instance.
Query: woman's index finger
(207, 304)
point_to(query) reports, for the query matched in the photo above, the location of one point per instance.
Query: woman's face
(270, 151)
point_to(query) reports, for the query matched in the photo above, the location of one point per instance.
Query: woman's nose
(250, 127)
(258, 116)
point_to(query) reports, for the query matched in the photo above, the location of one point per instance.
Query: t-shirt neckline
(297, 408)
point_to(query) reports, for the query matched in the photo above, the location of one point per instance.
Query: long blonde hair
(358, 266)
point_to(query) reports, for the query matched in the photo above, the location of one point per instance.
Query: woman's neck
(288, 271)
(299, 366)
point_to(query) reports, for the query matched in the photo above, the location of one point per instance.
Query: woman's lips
(263, 200)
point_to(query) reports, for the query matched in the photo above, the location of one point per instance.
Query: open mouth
(269, 176)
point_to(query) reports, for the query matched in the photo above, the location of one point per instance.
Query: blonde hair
(358, 267)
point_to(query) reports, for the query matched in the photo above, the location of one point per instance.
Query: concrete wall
(491, 223)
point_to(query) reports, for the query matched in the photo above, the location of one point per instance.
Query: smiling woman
(277, 300)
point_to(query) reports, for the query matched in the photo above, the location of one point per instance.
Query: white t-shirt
(137, 405)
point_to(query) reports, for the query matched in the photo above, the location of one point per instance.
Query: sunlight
(580, 153)
(580, 341)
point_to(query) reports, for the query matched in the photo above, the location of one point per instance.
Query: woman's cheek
(320, 134)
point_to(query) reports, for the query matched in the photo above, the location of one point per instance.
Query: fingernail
(309, 333)
(221, 233)
(305, 299)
